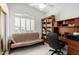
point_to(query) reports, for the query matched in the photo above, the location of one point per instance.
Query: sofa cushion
(25, 37)
(20, 44)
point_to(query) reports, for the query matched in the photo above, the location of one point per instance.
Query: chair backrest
(53, 40)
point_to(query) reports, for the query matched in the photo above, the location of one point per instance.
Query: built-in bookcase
(47, 26)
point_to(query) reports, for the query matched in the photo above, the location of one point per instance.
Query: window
(28, 24)
(24, 24)
(32, 25)
(17, 23)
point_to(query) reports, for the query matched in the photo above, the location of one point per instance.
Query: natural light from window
(24, 24)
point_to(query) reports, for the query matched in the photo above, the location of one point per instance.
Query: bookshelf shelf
(47, 26)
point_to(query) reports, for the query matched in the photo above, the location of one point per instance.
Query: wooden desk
(73, 46)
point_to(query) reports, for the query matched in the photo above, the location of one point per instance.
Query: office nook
(39, 28)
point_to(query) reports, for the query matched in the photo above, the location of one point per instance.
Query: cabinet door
(62, 30)
(77, 22)
(77, 29)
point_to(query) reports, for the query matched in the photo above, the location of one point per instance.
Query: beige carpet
(38, 49)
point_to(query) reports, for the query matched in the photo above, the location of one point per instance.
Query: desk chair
(54, 43)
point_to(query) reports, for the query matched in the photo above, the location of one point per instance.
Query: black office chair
(54, 43)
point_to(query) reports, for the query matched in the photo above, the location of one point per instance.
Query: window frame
(20, 30)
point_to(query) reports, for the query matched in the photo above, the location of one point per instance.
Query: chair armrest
(10, 41)
(9, 44)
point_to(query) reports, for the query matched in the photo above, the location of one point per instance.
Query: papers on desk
(76, 33)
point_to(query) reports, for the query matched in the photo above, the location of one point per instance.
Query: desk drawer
(72, 51)
(74, 45)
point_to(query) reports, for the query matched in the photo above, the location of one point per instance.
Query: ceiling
(41, 7)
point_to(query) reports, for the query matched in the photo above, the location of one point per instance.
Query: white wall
(65, 11)
(24, 9)
(56, 10)
(70, 11)
(5, 8)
